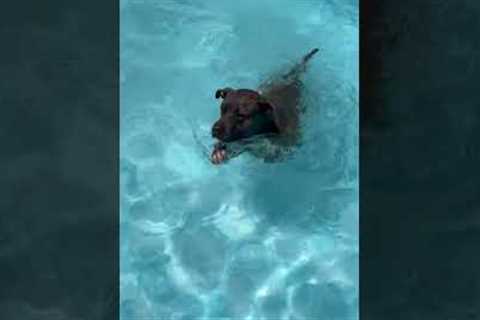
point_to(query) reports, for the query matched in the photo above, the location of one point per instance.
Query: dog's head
(243, 114)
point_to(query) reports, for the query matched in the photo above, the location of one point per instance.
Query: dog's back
(285, 94)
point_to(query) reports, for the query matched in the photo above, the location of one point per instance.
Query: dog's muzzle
(217, 132)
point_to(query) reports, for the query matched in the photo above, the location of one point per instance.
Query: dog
(263, 122)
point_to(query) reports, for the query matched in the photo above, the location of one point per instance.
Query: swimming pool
(245, 240)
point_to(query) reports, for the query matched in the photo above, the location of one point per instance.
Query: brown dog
(265, 123)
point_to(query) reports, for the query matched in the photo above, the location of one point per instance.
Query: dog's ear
(279, 117)
(264, 104)
(222, 93)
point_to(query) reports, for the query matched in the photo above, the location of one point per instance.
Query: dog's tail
(300, 67)
(309, 55)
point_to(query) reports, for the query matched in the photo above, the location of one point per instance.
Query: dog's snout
(217, 131)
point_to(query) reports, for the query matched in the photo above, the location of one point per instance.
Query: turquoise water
(246, 240)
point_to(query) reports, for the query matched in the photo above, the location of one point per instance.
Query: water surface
(246, 240)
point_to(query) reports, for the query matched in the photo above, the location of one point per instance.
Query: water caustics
(245, 240)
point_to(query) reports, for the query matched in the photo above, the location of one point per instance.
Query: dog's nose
(217, 131)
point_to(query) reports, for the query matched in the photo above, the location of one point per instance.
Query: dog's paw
(219, 156)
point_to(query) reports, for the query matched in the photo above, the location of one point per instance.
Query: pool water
(245, 240)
